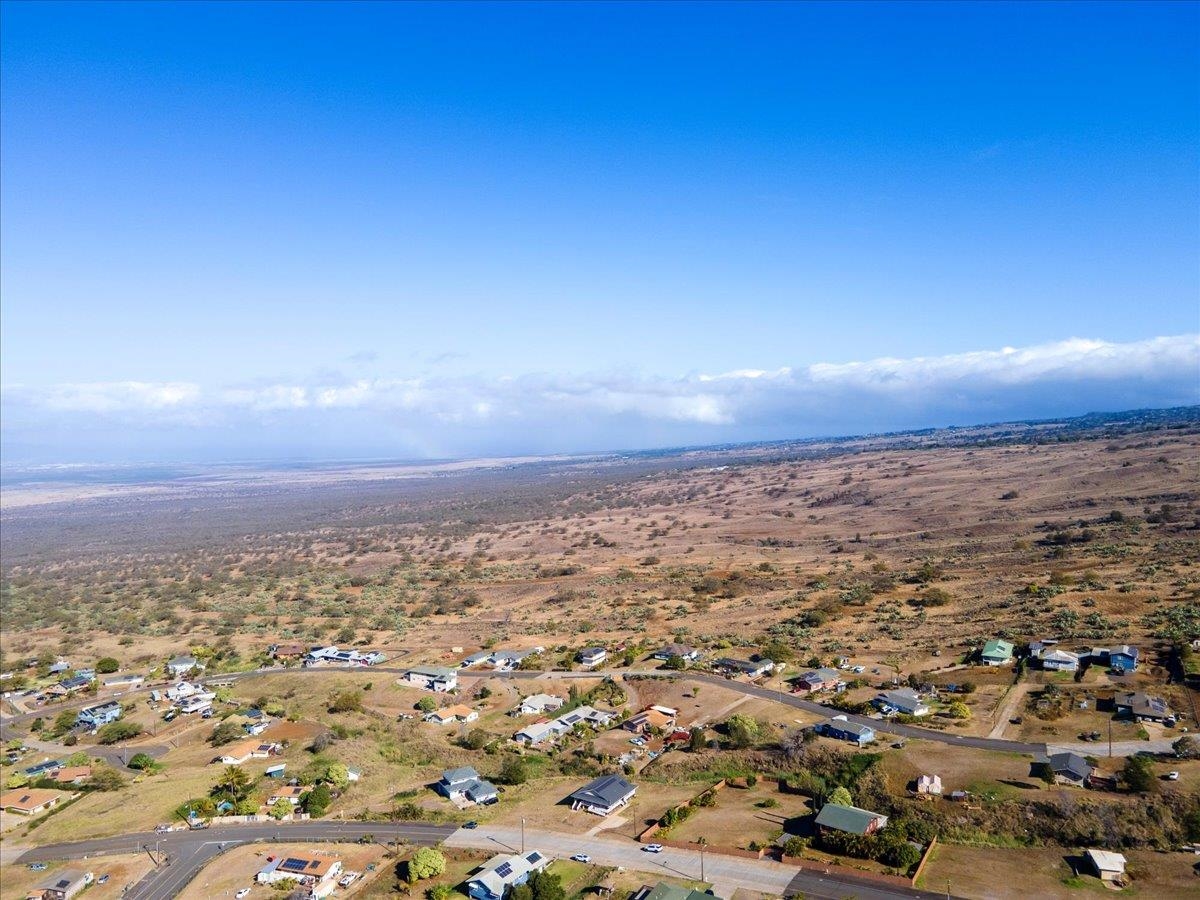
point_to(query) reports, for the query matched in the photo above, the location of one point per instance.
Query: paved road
(1099, 748)
(183, 854)
(115, 756)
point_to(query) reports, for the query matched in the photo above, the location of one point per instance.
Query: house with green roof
(850, 819)
(664, 891)
(996, 652)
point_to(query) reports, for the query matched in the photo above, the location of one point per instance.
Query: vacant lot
(742, 816)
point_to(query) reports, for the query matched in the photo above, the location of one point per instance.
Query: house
(501, 873)
(816, 680)
(1123, 658)
(100, 714)
(182, 689)
(236, 754)
(590, 657)
(929, 784)
(310, 871)
(683, 651)
(43, 768)
(73, 774)
(29, 801)
(650, 718)
(1060, 661)
(734, 667)
(464, 784)
(1039, 647)
(452, 714)
(63, 885)
(197, 703)
(286, 651)
(319, 654)
(59, 667)
(901, 700)
(432, 678)
(538, 704)
(537, 733)
(664, 891)
(603, 795)
(124, 681)
(476, 659)
(842, 729)
(1143, 707)
(289, 792)
(1109, 866)
(181, 665)
(275, 771)
(583, 715)
(74, 683)
(1069, 768)
(507, 660)
(996, 652)
(353, 774)
(850, 819)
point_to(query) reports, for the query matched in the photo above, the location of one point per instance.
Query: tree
(1138, 774)
(546, 886)
(427, 704)
(675, 662)
(280, 809)
(141, 761)
(477, 739)
(902, 856)
(696, 740)
(347, 701)
(743, 730)
(778, 651)
(115, 732)
(1187, 747)
(959, 710)
(795, 846)
(233, 781)
(841, 796)
(338, 775)
(225, 733)
(513, 772)
(425, 863)
(65, 721)
(317, 800)
(105, 778)
(107, 665)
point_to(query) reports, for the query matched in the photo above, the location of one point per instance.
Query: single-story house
(502, 872)
(59, 667)
(182, 689)
(465, 784)
(652, 717)
(289, 792)
(1060, 661)
(286, 651)
(536, 733)
(901, 700)
(476, 659)
(587, 715)
(353, 774)
(100, 714)
(73, 774)
(590, 657)
(181, 665)
(310, 871)
(1037, 648)
(29, 801)
(276, 771)
(124, 681)
(507, 660)
(238, 753)
(432, 678)
(1069, 768)
(197, 703)
(63, 884)
(42, 769)
(929, 784)
(850, 819)
(1143, 707)
(452, 714)
(74, 683)
(1109, 866)
(816, 680)
(996, 652)
(603, 795)
(683, 651)
(842, 729)
(751, 669)
(664, 891)
(538, 704)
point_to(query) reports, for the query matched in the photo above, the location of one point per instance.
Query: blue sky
(360, 230)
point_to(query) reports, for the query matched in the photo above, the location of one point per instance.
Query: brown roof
(72, 773)
(27, 799)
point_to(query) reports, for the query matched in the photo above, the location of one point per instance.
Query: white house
(590, 657)
(604, 795)
(901, 700)
(313, 872)
(538, 704)
(460, 713)
(181, 665)
(929, 784)
(1109, 866)
(1060, 661)
(432, 678)
(182, 689)
(501, 873)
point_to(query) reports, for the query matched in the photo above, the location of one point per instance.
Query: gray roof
(604, 791)
(847, 818)
(463, 773)
(1069, 764)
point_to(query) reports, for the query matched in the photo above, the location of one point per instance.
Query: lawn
(738, 819)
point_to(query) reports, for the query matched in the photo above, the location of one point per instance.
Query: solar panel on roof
(504, 870)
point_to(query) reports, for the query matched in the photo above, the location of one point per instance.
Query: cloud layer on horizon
(537, 412)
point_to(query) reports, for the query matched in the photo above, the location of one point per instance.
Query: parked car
(471, 824)
(244, 892)
(581, 857)
(1172, 776)
(103, 879)
(653, 848)
(37, 867)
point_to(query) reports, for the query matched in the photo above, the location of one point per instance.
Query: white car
(653, 848)
(348, 879)
(1172, 776)
(244, 892)
(581, 857)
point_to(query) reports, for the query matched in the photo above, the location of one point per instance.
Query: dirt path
(1012, 699)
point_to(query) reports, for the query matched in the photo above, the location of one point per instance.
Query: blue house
(842, 729)
(102, 714)
(1123, 658)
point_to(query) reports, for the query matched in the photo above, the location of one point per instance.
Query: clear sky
(293, 229)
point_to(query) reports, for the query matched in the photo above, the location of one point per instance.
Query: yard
(236, 869)
(743, 816)
(121, 870)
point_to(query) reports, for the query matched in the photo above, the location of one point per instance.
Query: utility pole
(522, 834)
(702, 846)
(1110, 738)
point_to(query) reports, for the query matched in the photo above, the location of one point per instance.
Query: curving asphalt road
(182, 854)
